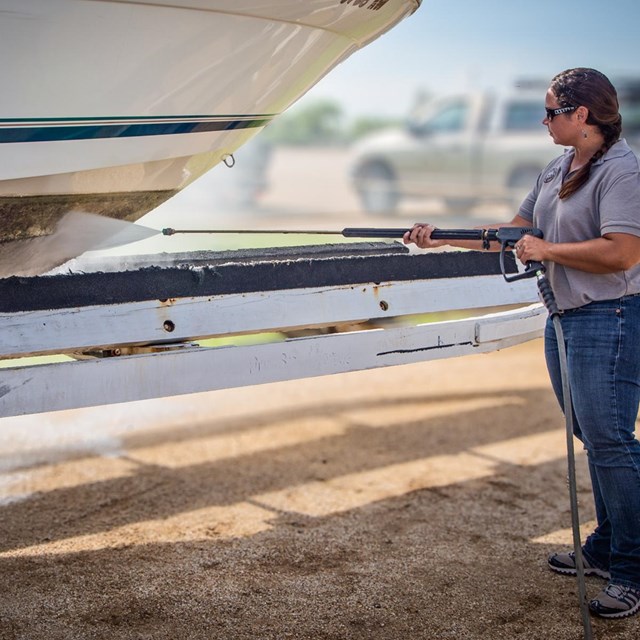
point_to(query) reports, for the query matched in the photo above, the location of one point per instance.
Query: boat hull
(111, 107)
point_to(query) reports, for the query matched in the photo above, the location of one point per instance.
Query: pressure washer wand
(505, 235)
(349, 232)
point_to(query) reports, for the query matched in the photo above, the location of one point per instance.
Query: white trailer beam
(121, 379)
(174, 320)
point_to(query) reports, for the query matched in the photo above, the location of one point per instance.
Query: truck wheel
(376, 186)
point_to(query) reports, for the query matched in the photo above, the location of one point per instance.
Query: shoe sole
(618, 614)
(592, 571)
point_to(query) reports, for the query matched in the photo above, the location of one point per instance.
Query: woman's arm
(607, 254)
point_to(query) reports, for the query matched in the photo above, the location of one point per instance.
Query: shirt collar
(617, 150)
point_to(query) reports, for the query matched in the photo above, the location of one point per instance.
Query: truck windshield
(523, 116)
(449, 119)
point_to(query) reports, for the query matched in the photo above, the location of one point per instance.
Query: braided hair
(593, 90)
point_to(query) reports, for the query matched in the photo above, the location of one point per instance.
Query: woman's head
(591, 89)
(594, 102)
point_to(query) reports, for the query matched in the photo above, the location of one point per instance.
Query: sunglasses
(552, 113)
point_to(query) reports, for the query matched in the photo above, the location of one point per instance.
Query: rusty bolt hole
(169, 326)
(384, 305)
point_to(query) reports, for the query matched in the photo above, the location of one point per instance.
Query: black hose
(550, 303)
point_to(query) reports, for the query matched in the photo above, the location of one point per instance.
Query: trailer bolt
(168, 326)
(384, 305)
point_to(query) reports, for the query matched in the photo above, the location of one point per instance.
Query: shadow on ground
(425, 516)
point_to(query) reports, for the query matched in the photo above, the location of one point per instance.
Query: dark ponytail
(593, 90)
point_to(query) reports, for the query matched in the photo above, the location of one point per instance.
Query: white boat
(113, 106)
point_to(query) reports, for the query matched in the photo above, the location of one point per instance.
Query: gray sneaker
(616, 601)
(565, 563)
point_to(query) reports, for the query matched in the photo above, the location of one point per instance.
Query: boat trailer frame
(133, 326)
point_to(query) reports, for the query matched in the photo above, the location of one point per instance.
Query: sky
(451, 46)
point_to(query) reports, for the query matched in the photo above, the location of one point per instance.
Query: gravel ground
(414, 502)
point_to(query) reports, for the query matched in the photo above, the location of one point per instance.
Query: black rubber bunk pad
(131, 279)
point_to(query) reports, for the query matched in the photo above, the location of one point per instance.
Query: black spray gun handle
(508, 237)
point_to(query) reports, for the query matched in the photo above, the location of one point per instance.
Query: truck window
(523, 116)
(450, 119)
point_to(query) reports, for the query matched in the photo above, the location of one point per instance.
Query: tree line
(324, 123)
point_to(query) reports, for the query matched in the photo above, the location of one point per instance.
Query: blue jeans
(603, 355)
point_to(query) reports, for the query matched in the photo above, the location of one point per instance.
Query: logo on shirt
(551, 175)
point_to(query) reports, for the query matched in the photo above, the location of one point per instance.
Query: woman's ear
(582, 113)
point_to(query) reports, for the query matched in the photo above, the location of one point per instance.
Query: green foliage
(322, 123)
(319, 123)
(368, 124)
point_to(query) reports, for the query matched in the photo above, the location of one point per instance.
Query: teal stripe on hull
(53, 130)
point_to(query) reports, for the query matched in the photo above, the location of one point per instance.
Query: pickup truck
(463, 149)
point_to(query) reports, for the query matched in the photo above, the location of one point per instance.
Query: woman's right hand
(420, 235)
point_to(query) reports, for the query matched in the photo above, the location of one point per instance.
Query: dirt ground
(417, 502)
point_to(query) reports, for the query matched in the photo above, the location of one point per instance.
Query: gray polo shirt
(609, 202)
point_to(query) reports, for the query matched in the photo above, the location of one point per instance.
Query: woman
(587, 203)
